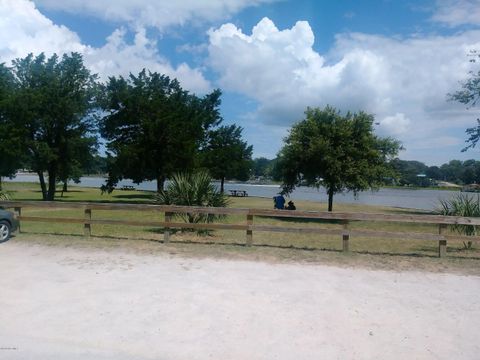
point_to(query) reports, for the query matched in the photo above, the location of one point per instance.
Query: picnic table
(238, 193)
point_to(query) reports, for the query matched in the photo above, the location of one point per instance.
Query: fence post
(442, 244)
(249, 232)
(166, 231)
(18, 213)
(345, 237)
(87, 231)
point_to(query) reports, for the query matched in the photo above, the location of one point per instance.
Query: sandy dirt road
(71, 303)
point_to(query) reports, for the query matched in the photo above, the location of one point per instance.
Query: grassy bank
(387, 248)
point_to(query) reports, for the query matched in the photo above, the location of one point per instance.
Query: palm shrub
(462, 205)
(4, 196)
(193, 189)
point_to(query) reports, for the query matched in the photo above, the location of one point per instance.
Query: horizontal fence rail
(169, 211)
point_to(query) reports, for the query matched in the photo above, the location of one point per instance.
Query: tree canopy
(261, 166)
(470, 95)
(411, 172)
(456, 171)
(10, 154)
(154, 128)
(50, 115)
(338, 152)
(226, 155)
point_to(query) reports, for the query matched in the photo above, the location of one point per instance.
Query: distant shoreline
(260, 184)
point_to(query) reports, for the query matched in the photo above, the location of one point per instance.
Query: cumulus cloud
(118, 57)
(403, 82)
(395, 125)
(24, 30)
(457, 12)
(281, 70)
(159, 13)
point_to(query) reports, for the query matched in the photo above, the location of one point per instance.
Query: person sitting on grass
(278, 202)
(291, 206)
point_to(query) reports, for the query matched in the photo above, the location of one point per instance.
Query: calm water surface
(405, 198)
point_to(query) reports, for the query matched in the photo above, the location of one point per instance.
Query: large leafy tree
(80, 153)
(226, 155)
(470, 95)
(52, 107)
(337, 152)
(10, 153)
(154, 128)
(96, 166)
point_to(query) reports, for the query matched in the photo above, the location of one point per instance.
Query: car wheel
(4, 230)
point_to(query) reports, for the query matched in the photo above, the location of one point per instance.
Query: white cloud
(24, 30)
(397, 124)
(457, 12)
(155, 13)
(117, 57)
(404, 82)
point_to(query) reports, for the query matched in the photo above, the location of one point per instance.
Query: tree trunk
(222, 182)
(0, 183)
(65, 188)
(330, 199)
(42, 185)
(51, 184)
(160, 183)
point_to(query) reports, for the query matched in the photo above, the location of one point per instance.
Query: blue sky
(395, 59)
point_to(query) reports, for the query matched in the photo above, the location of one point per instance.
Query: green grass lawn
(307, 242)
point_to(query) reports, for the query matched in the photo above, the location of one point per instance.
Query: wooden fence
(249, 226)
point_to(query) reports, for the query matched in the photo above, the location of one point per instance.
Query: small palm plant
(4, 196)
(193, 189)
(462, 205)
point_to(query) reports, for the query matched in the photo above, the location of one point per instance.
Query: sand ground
(76, 303)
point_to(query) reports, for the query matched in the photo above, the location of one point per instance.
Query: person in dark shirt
(291, 206)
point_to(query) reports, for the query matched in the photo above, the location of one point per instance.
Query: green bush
(193, 189)
(462, 205)
(4, 196)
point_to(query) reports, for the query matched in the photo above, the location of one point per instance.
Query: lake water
(405, 198)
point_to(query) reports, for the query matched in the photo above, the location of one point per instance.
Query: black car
(8, 224)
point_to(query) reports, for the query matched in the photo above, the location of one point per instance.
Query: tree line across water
(407, 172)
(53, 111)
